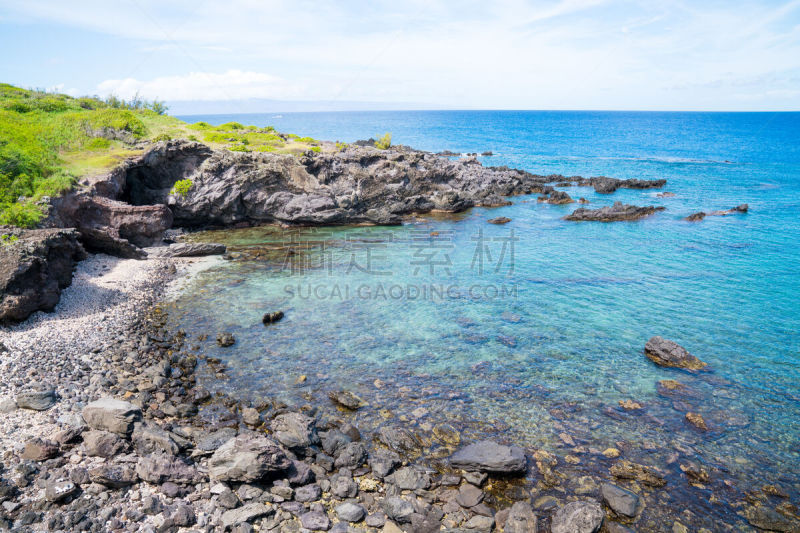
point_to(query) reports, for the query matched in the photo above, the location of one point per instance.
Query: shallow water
(546, 338)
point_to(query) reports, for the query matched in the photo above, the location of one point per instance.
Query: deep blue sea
(533, 331)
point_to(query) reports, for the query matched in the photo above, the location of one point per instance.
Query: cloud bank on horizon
(506, 54)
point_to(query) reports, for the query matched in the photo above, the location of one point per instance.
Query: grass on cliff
(48, 142)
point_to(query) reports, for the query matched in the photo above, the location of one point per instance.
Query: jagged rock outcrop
(700, 215)
(34, 266)
(606, 185)
(613, 213)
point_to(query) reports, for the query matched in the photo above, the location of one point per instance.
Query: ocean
(532, 332)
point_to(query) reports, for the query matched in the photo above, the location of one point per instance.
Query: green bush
(163, 137)
(230, 126)
(181, 188)
(385, 142)
(316, 149)
(23, 214)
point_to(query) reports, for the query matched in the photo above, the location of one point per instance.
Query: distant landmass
(263, 105)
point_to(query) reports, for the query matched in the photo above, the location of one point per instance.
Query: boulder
(58, 489)
(271, 318)
(667, 353)
(578, 517)
(149, 438)
(225, 340)
(247, 458)
(114, 476)
(621, 501)
(103, 444)
(351, 512)
(294, 430)
(35, 265)
(315, 521)
(398, 509)
(38, 449)
(109, 414)
(36, 398)
(489, 456)
(614, 213)
(499, 220)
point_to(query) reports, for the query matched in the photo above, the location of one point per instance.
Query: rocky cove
(120, 423)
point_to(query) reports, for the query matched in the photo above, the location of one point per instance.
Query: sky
(503, 54)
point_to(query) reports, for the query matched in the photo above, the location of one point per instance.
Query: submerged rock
(499, 220)
(578, 517)
(665, 352)
(696, 419)
(643, 474)
(225, 340)
(606, 185)
(521, 519)
(556, 197)
(621, 501)
(615, 213)
(488, 456)
(192, 249)
(346, 399)
(271, 318)
(700, 215)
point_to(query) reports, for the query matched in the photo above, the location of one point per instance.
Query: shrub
(316, 149)
(163, 137)
(181, 188)
(385, 142)
(239, 148)
(23, 214)
(230, 126)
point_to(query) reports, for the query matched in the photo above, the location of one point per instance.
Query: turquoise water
(547, 339)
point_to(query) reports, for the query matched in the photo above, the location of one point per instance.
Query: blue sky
(507, 54)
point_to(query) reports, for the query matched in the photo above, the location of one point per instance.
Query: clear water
(551, 345)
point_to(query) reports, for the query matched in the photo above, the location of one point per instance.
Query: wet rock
(556, 197)
(382, 463)
(521, 519)
(398, 439)
(334, 440)
(398, 509)
(578, 517)
(294, 430)
(695, 473)
(149, 438)
(696, 419)
(271, 318)
(606, 185)
(628, 470)
(346, 399)
(39, 398)
(103, 444)
(664, 352)
(476, 478)
(621, 501)
(246, 513)
(38, 449)
(479, 523)
(615, 213)
(469, 495)
(58, 489)
(114, 476)
(225, 340)
(159, 468)
(350, 512)
(499, 220)
(769, 519)
(630, 405)
(251, 416)
(192, 249)
(488, 456)
(108, 414)
(700, 215)
(315, 521)
(247, 458)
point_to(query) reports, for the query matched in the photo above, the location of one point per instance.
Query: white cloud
(230, 85)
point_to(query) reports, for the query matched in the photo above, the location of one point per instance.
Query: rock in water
(346, 399)
(192, 249)
(488, 456)
(520, 519)
(628, 470)
(108, 414)
(578, 517)
(696, 419)
(247, 458)
(499, 220)
(664, 352)
(271, 318)
(615, 213)
(225, 340)
(34, 267)
(620, 501)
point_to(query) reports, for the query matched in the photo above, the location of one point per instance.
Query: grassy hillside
(49, 141)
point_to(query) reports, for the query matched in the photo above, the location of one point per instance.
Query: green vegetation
(385, 142)
(48, 141)
(6, 239)
(182, 187)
